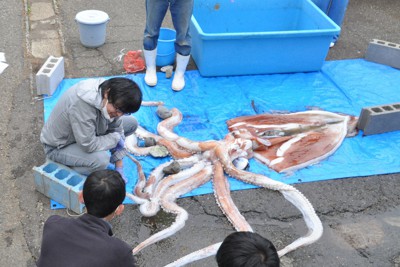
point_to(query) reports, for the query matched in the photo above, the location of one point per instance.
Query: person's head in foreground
(120, 96)
(103, 193)
(247, 249)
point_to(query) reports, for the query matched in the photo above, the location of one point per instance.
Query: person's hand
(121, 171)
(120, 144)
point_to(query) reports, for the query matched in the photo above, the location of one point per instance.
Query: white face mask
(105, 112)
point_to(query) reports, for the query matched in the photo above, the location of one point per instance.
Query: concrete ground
(361, 217)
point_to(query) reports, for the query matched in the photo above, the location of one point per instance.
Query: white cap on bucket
(92, 17)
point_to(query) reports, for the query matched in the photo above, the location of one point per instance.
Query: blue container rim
(247, 35)
(335, 29)
(163, 55)
(167, 30)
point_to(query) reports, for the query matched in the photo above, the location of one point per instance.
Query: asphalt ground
(361, 216)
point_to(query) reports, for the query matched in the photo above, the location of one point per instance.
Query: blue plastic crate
(244, 37)
(60, 183)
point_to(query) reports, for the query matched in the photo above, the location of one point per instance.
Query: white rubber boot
(151, 72)
(179, 78)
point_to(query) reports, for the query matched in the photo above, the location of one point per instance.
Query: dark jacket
(83, 242)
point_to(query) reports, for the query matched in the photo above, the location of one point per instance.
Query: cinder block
(50, 75)
(383, 52)
(379, 119)
(60, 183)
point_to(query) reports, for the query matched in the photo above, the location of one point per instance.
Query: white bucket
(92, 27)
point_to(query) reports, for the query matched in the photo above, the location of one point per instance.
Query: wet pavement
(361, 216)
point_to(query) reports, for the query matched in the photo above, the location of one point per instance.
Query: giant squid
(284, 142)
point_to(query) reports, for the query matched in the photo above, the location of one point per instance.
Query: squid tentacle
(224, 200)
(290, 193)
(196, 255)
(169, 205)
(153, 206)
(165, 129)
(141, 182)
(174, 149)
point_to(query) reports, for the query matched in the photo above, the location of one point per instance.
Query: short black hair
(247, 249)
(103, 192)
(123, 93)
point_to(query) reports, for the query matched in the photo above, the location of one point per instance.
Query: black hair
(247, 249)
(123, 93)
(103, 192)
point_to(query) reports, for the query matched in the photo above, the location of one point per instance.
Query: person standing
(181, 13)
(88, 122)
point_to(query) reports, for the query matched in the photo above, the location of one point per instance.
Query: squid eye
(241, 163)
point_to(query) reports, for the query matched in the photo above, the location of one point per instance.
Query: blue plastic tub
(334, 9)
(165, 47)
(244, 37)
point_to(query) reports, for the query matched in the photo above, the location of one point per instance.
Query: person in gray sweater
(88, 241)
(90, 119)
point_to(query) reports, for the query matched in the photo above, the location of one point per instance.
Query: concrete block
(383, 52)
(50, 75)
(60, 183)
(379, 119)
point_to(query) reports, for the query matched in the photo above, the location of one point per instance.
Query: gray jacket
(77, 118)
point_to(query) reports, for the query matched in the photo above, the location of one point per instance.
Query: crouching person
(88, 121)
(88, 241)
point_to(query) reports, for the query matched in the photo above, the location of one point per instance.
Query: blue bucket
(165, 47)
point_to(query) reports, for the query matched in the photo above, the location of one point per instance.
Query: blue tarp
(344, 86)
